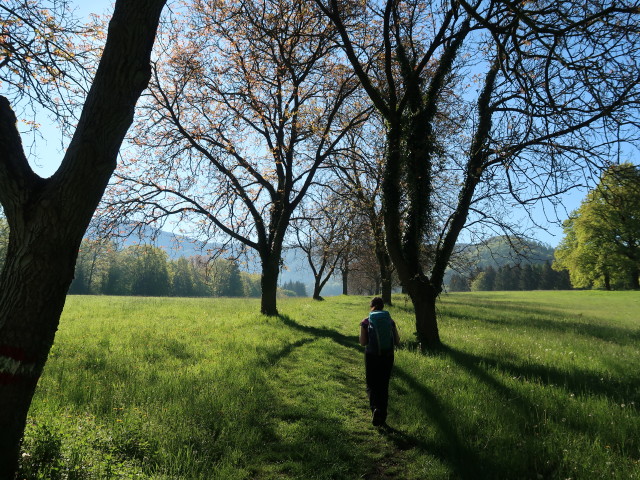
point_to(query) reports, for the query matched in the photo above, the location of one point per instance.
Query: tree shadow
(534, 317)
(339, 338)
(453, 450)
(578, 381)
(450, 445)
(272, 358)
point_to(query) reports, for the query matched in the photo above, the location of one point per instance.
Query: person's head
(377, 303)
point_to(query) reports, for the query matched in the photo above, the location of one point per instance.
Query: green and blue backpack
(380, 332)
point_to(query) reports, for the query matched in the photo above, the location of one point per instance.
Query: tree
(554, 79)
(360, 170)
(148, 271)
(118, 279)
(322, 233)
(43, 60)
(485, 281)
(458, 283)
(528, 280)
(507, 278)
(47, 218)
(365, 274)
(479, 284)
(226, 281)
(251, 284)
(182, 282)
(91, 266)
(601, 246)
(244, 112)
(298, 288)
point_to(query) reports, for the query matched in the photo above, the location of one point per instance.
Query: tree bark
(386, 290)
(317, 288)
(34, 283)
(344, 271)
(269, 284)
(424, 296)
(386, 273)
(48, 217)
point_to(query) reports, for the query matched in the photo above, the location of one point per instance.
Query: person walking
(379, 335)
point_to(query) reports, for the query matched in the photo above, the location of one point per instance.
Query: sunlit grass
(528, 385)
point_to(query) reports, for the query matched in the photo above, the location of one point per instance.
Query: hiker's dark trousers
(378, 372)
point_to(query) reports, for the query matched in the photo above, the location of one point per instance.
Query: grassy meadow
(534, 385)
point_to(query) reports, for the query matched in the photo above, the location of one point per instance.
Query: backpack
(380, 332)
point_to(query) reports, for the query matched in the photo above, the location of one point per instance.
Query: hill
(502, 250)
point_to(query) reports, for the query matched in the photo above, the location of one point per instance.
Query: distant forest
(504, 263)
(512, 277)
(103, 269)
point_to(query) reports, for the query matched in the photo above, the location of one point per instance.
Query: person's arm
(364, 336)
(396, 335)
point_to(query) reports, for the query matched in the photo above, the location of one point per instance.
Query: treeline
(294, 289)
(145, 270)
(512, 277)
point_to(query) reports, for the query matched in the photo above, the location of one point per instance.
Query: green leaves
(601, 247)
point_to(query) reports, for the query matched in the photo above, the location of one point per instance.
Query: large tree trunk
(386, 276)
(317, 288)
(34, 283)
(48, 217)
(269, 283)
(405, 252)
(345, 279)
(386, 290)
(424, 297)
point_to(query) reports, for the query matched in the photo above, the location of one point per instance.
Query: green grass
(529, 385)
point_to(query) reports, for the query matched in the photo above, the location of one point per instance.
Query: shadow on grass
(272, 358)
(453, 450)
(534, 317)
(339, 338)
(578, 381)
(450, 445)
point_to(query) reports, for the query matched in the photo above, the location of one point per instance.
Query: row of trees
(512, 277)
(466, 103)
(295, 288)
(146, 270)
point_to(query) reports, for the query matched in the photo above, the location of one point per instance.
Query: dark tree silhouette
(48, 217)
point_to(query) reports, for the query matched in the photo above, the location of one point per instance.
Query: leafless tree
(323, 234)
(243, 112)
(359, 170)
(543, 92)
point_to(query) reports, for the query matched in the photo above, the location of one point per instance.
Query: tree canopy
(246, 104)
(601, 244)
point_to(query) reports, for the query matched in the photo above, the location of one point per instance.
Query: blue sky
(47, 152)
